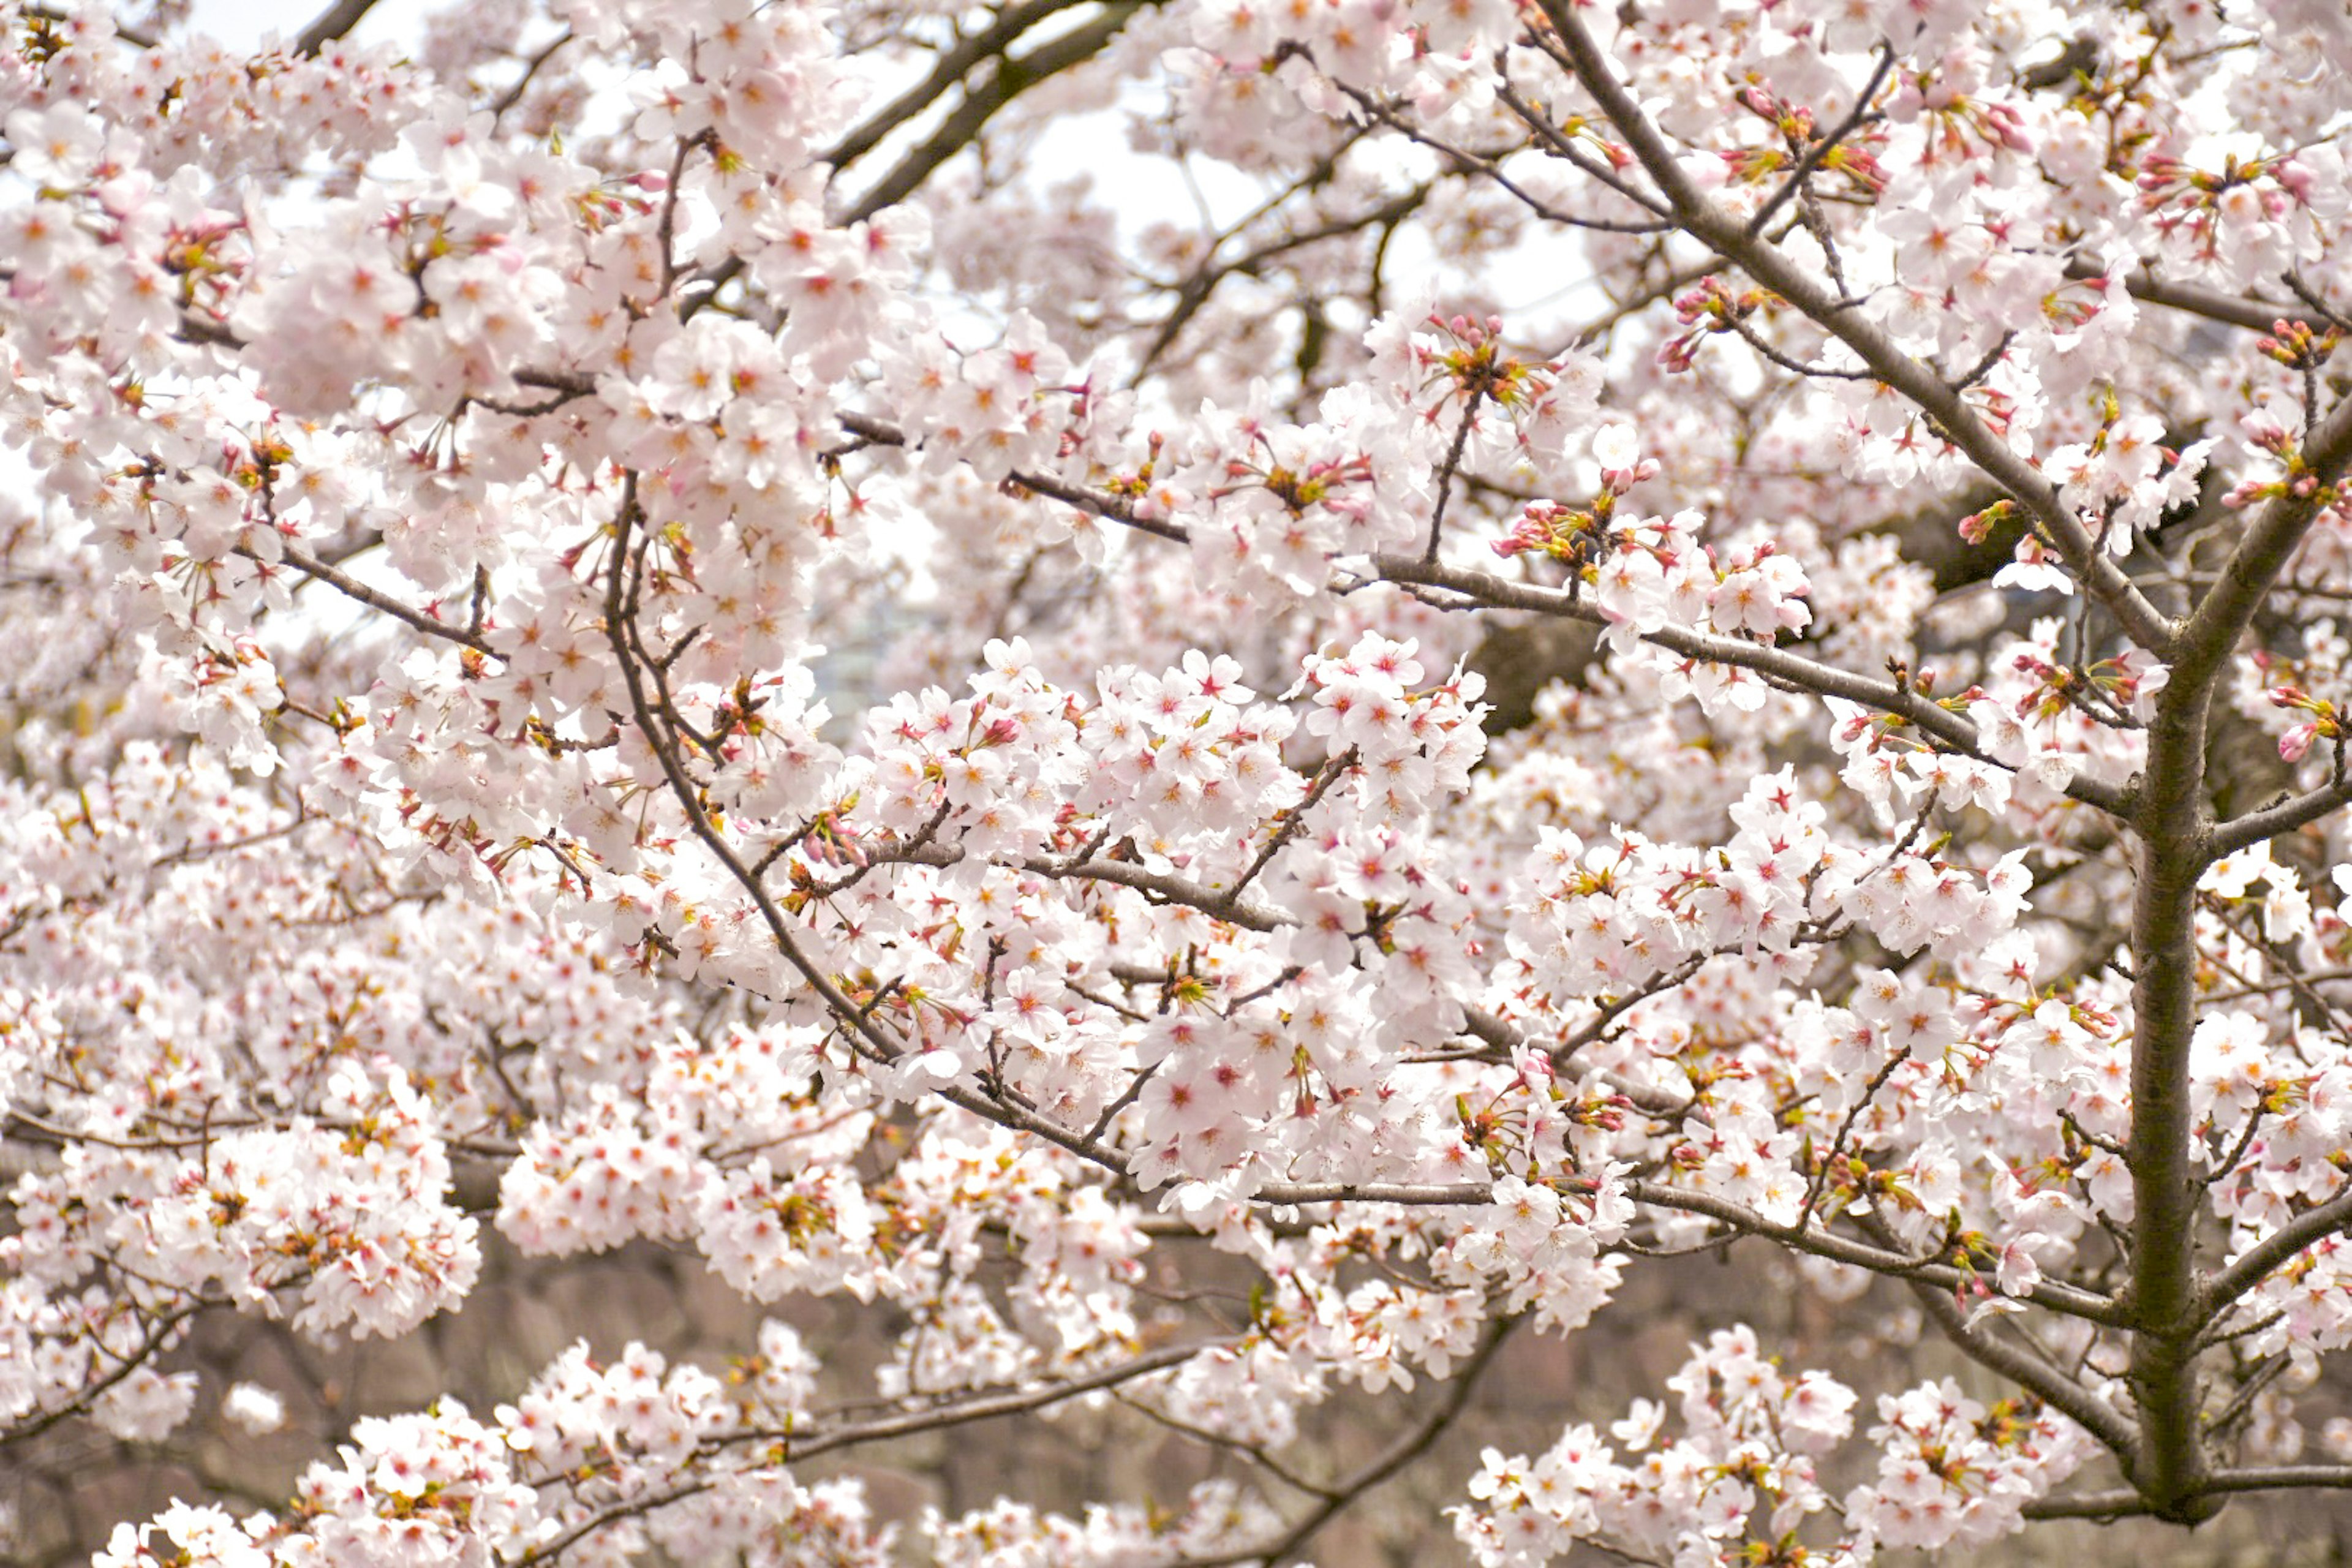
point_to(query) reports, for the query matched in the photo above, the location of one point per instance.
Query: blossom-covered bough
(441, 469)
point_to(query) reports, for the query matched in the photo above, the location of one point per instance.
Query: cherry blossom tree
(442, 815)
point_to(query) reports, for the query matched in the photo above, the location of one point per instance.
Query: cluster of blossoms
(1741, 1482)
(431, 832)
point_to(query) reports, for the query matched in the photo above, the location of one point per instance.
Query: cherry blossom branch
(530, 69)
(858, 1020)
(799, 1446)
(2276, 1478)
(987, 1408)
(1292, 822)
(352, 588)
(1252, 1453)
(1954, 730)
(2176, 845)
(2228, 606)
(2280, 962)
(2069, 1300)
(1490, 166)
(1915, 381)
(1196, 290)
(1111, 509)
(1407, 1447)
(2254, 315)
(1568, 152)
(1826, 144)
(2110, 1505)
(1820, 1181)
(689, 796)
(2168, 1462)
(1748, 334)
(1218, 904)
(2299, 811)
(992, 1108)
(2105, 1507)
(2029, 1371)
(1448, 469)
(36, 1422)
(2223, 1288)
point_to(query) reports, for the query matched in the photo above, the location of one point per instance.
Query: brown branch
(2029, 1371)
(1407, 1447)
(331, 25)
(1013, 75)
(2084, 556)
(2228, 606)
(351, 587)
(2104, 1507)
(36, 1422)
(951, 68)
(531, 68)
(2176, 845)
(1955, 731)
(2254, 315)
(1490, 166)
(2223, 1290)
(804, 1446)
(2069, 1300)
(1112, 509)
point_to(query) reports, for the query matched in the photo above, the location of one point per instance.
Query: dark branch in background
(138, 38)
(1195, 291)
(1013, 75)
(531, 68)
(950, 69)
(331, 24)
(823, 1440)
(1408, 1446)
